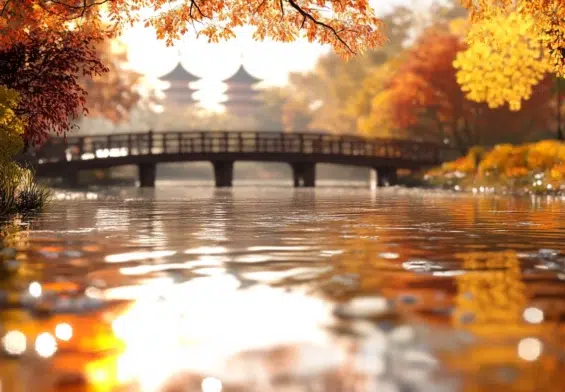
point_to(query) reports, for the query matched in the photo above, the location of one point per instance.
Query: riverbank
(534, 168)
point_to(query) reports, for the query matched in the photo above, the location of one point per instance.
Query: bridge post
(147, 174)
(72, 178)
(386, 176)
(223, 173)
(304, 174)
(80, 147)
(150, 142)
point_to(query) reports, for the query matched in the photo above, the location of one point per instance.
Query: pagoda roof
(179, 73)
(242, 77)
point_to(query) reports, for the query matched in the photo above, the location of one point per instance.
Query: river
(268, 288)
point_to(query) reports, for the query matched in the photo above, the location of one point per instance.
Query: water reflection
(275, 289)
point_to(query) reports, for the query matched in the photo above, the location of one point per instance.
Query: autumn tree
(44, 72)
(422, 99)
(333, 87)
(423, 96)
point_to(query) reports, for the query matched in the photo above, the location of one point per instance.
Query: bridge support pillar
(386, 176)
(223, 173)
(304, 174)
(72, 178)
(147, 175)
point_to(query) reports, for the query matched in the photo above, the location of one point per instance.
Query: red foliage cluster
(45, 72)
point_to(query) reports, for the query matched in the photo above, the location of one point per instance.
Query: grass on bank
(528, 168)
(19, 193)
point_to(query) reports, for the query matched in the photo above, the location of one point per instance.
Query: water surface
(268, 288)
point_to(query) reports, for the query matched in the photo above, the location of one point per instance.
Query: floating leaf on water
(49, 254)
(421, 266)
(350, 280)
(548, 253)
(467, 318)
(363, 307)
(408, 299)
(420, 358)
(448, 273)
(72, 253)
(402, 334)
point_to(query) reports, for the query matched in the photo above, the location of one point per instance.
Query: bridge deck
(116, 149)
(64, 156)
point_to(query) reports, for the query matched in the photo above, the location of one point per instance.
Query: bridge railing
(193, 142)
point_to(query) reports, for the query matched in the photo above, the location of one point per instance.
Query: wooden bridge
(302, 151)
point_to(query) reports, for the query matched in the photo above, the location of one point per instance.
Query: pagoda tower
(179, 92)
(241, 96)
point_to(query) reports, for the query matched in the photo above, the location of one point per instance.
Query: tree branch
(282, 9)
(193, 2)
(260, 5)
(309, 16)
(79, 10)
(5, 7)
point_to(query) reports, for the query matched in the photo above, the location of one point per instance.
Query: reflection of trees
(491, 291)
(459, 288)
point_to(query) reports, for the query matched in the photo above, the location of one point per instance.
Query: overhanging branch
(307, 16)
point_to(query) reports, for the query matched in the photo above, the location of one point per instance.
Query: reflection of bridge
(65, 158)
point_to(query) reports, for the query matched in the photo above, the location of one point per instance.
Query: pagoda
(179, 91)
(241, 96)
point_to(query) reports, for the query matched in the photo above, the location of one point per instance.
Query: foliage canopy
(504, 61)
(350, 26)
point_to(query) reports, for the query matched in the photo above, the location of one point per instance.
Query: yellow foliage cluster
(508, 164)
(517, 161)
(11, 126)
(503, 62)
(11, 131)
(548, 17)
(506, 160)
